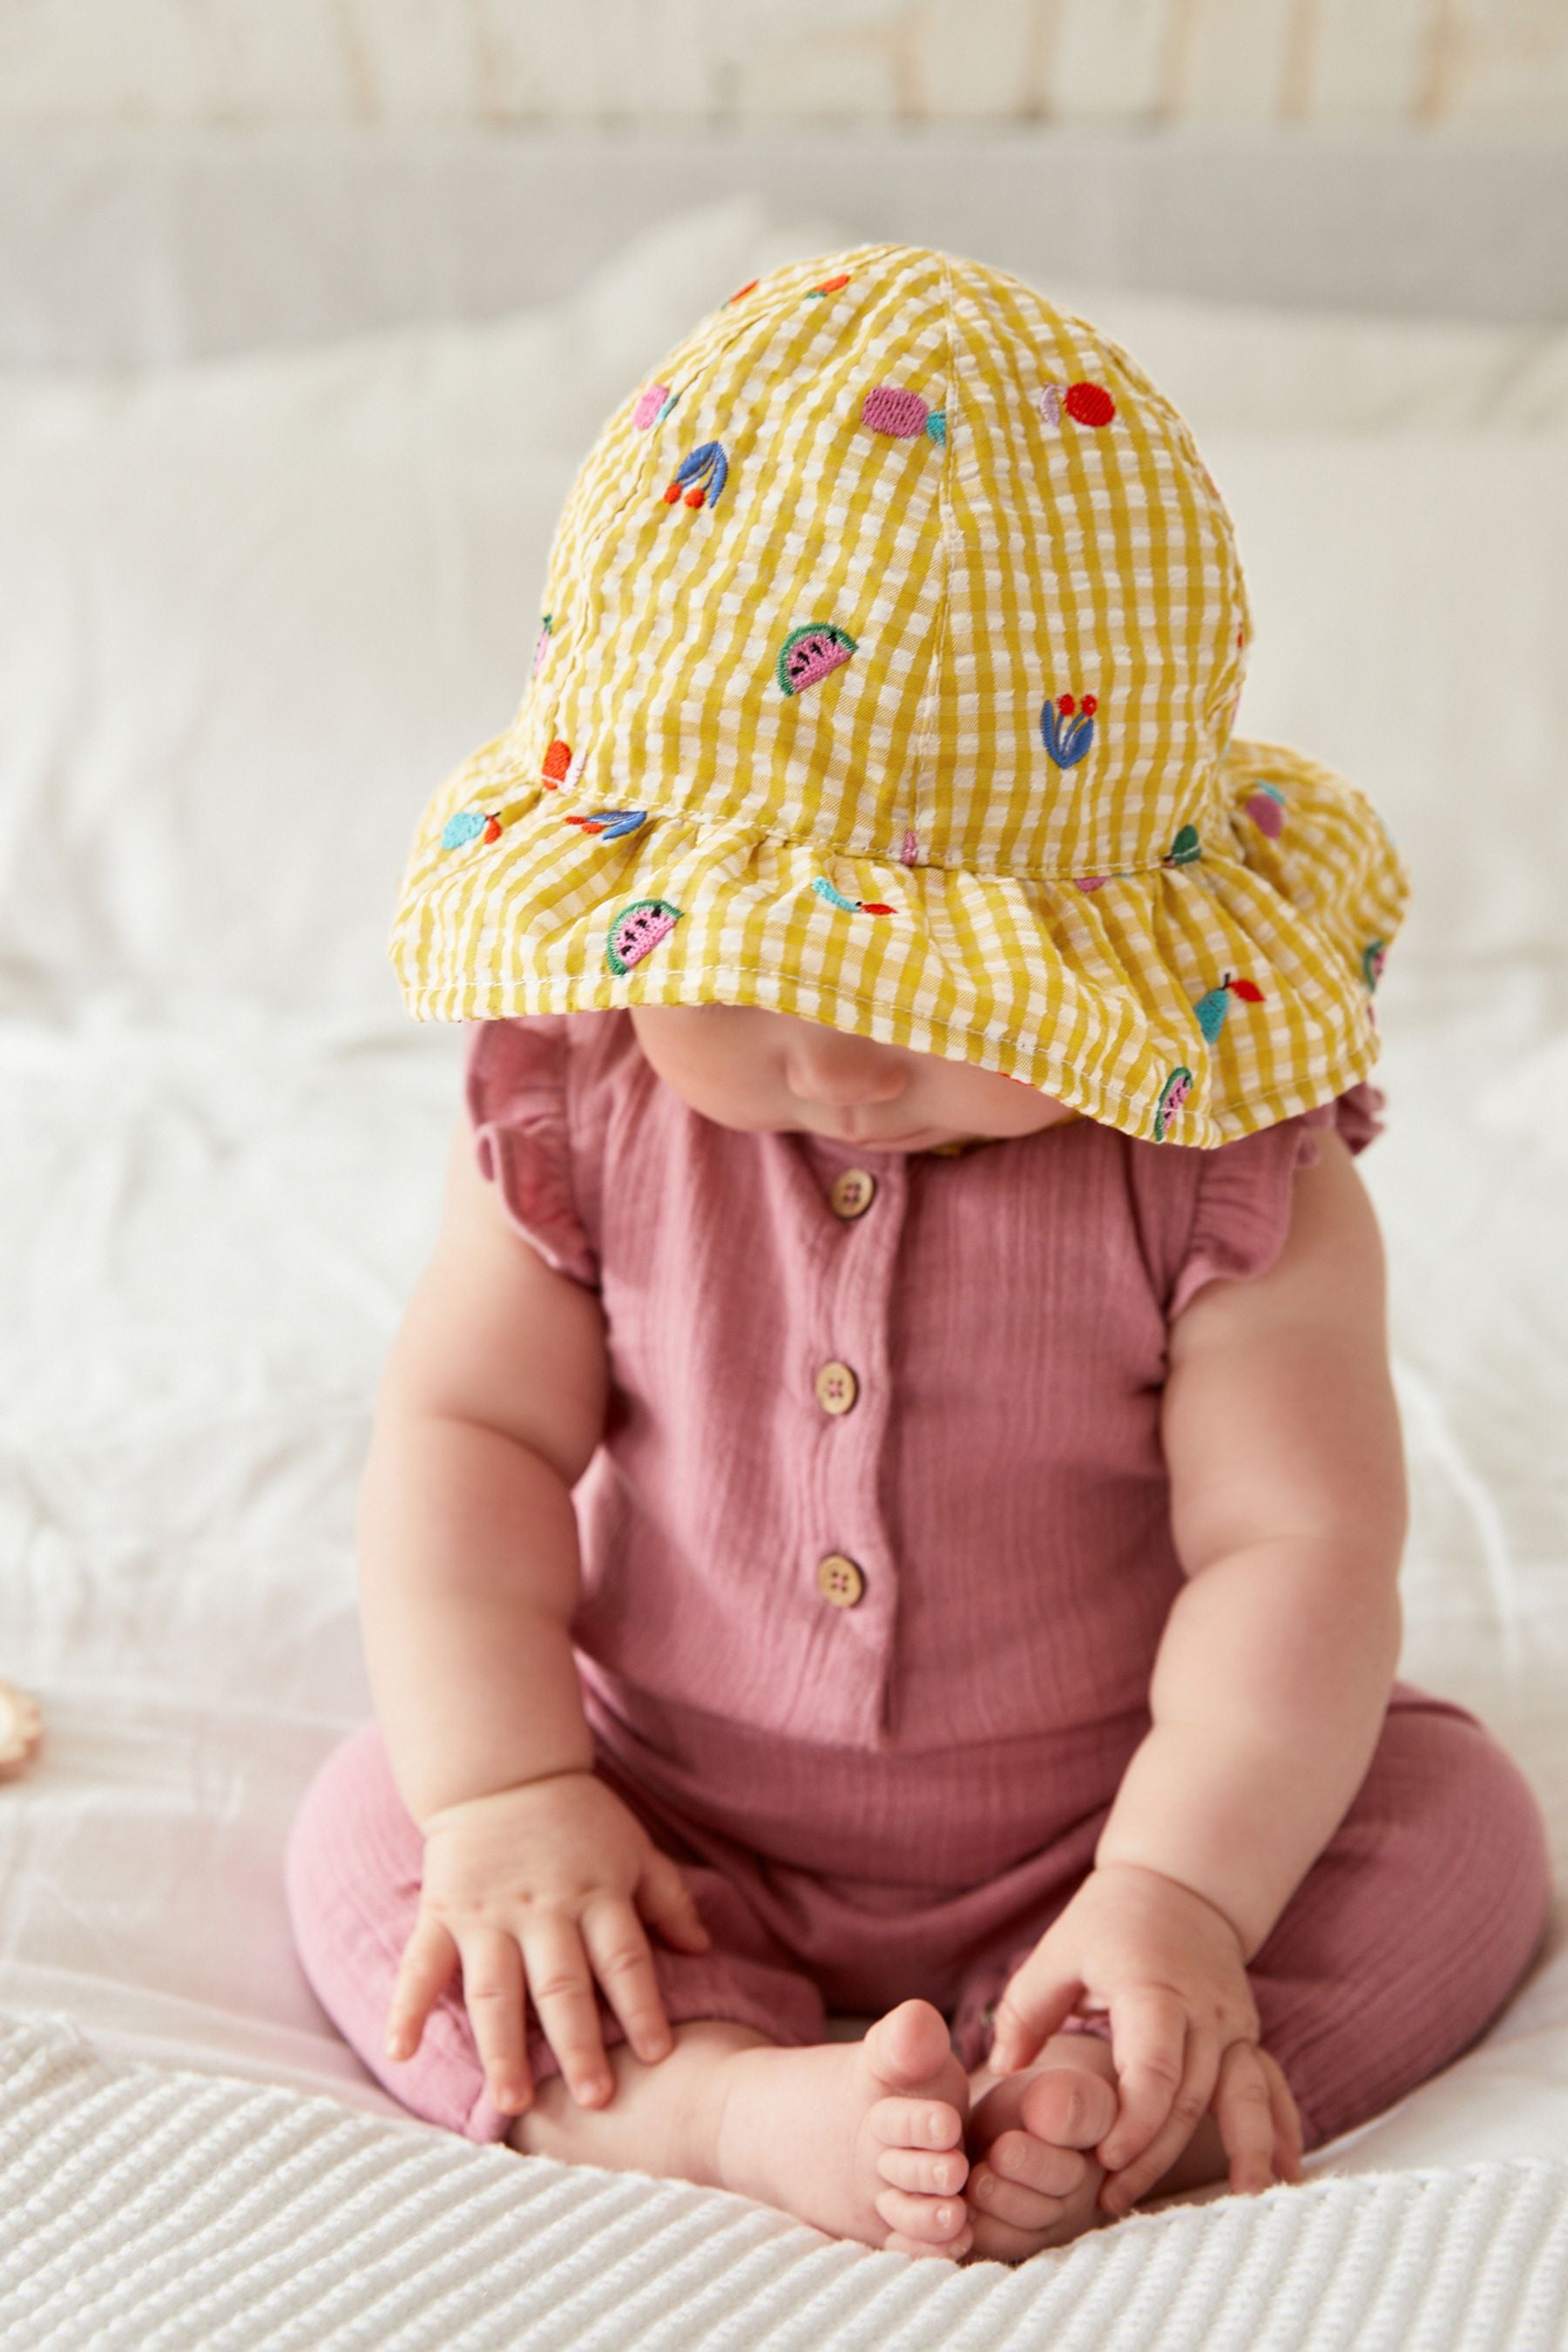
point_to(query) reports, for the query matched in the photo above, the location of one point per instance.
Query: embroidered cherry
(1067, 732)
(1212, 1009)
(611, 823)
(701, 474)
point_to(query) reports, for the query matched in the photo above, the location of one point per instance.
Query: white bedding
(248, 611)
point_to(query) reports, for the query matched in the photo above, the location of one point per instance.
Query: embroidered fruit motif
(466, 824)
(1267, 810)
(828, 286)
(911, 850)
(1067, 730)
(1086, 403)
(1212, 1009)
(637, 930)
(560, 767)
(850, 906)
(611, 823)
(740, 295)
(701, 474)
(1373, 958)
(1173, 1096)
(541, 644)
(653, 406)
(808, 654)
(1186, 849)
(902, 415)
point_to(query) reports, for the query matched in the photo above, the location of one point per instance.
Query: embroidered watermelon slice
(1372, 957)
(637, 930)
(1173, 1096)
(808, 654)
(1184, 849)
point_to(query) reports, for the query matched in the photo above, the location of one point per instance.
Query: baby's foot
(863, 2140)
(1030, 2185)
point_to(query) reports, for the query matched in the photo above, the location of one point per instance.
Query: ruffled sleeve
(1242, 1214)
(517, 1088)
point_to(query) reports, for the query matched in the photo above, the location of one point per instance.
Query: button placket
(849, 1561)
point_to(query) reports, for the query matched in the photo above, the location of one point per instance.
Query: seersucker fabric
(886, 675)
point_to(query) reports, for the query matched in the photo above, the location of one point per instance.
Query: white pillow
(1263, 369)
(251, 611)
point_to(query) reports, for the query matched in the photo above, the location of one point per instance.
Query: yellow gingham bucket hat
(893, 633)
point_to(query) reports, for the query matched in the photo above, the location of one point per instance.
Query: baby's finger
(562, 1990)
(1243, 2110)
(429, 1958)
(1149, 2041)
(623, 1963)
(1121, 2191)
(1034, 2004)
(492, 1990)
(670, 1905)
(1289, 2140)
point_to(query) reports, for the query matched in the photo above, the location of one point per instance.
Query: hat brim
(1086, 987)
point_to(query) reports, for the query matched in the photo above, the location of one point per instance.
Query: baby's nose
(845, 1073)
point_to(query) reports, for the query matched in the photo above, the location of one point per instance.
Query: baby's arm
(491, 1407)
(1288, 1510)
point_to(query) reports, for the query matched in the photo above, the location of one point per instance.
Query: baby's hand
(1168, 1967)
(537, 1890)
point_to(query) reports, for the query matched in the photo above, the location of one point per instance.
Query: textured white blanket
(156, 2209)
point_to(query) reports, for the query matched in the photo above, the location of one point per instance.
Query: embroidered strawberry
(1267, 809)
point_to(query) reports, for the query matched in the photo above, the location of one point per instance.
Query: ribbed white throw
(154, 2211)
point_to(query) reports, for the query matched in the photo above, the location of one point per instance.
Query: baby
(888, 1496)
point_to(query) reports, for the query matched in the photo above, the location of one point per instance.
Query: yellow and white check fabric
(893, 633)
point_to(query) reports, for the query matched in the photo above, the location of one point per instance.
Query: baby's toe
(1000, 2199)
(1037, 2164)
(913, 2168)
(1069, 2105)
(928, 2221)
(951, 2249)
(916, 2123)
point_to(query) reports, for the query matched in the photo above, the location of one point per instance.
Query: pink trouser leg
(1405, 1941)
(352, 1875)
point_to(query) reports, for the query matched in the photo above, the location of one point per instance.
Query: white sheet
(222, 1144)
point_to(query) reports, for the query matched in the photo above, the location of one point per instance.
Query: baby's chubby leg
(862, 2139)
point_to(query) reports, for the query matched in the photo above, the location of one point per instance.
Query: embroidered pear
(1212, 1009)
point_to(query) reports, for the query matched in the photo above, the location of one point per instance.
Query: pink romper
(876, 1558)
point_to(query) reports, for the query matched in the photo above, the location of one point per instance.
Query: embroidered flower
(1066, 730)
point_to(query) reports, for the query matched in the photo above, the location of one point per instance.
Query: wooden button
(839, 1580)
(852, 1193)
(836, 1388)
